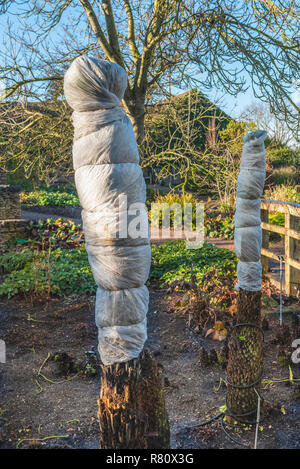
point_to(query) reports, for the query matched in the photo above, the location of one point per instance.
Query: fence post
(265, 240)
(291, 252)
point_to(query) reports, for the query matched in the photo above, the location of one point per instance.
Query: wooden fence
(291, 241)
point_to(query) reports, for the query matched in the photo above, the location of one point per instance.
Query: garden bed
(51, 380)
(46, 398)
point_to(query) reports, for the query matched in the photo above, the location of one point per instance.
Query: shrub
(174, 198)
(286, 176)
(57, 233)
(283, 156)
(220, 225)
(283, 193)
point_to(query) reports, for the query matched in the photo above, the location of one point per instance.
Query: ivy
(55, 272)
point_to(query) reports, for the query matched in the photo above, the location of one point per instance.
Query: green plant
(16, 260)
(171, 261)
(277, 219)
(67, 272)
(288, 175)
(169, 200)
(70, 188)
(283, 156)
(176, 198)
(282, 192)
(55, 272)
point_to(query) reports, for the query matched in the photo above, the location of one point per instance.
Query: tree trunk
(131, 406)
(245, 360)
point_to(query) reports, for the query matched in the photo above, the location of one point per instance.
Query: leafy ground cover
(65, 196)
(218, 226)
(51, 272)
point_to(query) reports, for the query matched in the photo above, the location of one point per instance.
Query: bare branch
(111, 31)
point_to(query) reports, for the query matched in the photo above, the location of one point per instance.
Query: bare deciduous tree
(204, 43)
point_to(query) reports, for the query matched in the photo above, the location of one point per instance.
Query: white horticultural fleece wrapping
(248, 233)
(110, 182)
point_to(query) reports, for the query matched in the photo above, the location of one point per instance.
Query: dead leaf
(185, 299)
(232, 309)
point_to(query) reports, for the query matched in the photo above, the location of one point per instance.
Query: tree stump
(245, 358)
(131, 406)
